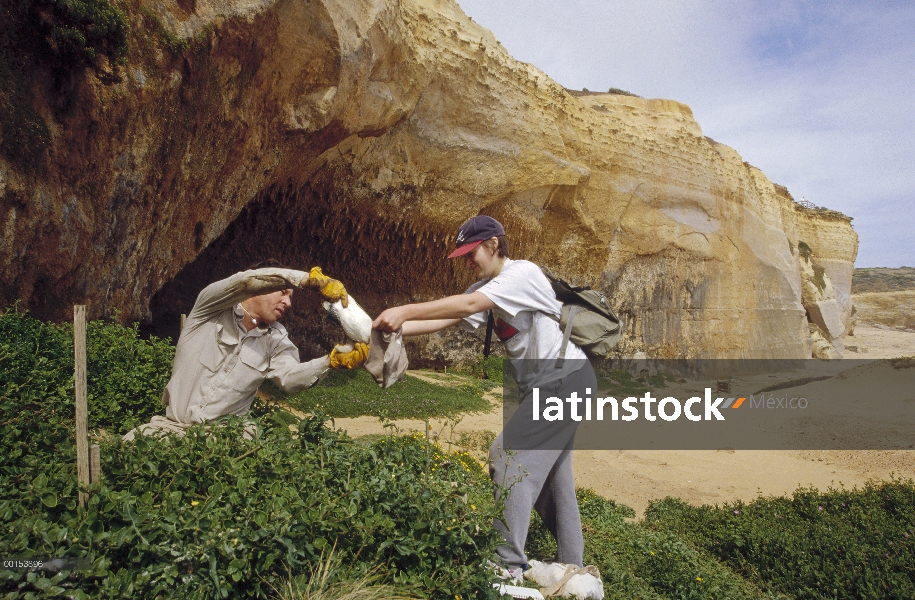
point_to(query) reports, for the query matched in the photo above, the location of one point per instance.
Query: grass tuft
(355, 393)
(331, 579)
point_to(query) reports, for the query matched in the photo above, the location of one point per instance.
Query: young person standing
(534, 463)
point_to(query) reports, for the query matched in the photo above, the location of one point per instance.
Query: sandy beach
(699, 477)
(879, 341)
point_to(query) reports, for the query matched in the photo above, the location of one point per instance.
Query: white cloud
(816, 94)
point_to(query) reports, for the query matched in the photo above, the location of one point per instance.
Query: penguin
(356, 323)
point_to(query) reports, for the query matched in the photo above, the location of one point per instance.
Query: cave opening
(382, 261)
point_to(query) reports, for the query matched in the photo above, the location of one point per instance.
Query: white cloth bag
(558, 579)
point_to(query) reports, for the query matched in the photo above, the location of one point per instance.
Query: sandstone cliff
(358, 135)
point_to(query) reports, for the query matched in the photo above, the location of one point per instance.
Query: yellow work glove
(340, 358)
(331, 289)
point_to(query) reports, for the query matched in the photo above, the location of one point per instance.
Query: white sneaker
(514, 575)
(518, 592)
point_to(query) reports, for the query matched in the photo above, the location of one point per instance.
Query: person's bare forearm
(452, 307)
(424, 327)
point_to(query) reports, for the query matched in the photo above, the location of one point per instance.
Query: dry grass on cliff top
(883, 279)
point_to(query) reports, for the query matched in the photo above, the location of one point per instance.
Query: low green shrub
(213, 515)
(71, 34)
(125, 375)
(840, 544)
(217, 516)
(637, 562)
(82, 32)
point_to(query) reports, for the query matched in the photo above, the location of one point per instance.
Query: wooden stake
(82, 408)
(183, 319)
(95, 463)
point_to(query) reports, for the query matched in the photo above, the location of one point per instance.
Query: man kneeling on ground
(232, 342)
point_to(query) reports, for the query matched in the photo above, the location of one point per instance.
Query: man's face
(268, 308)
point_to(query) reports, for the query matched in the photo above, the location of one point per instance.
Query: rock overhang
(358, 136)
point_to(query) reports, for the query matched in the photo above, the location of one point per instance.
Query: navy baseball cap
(474, 232)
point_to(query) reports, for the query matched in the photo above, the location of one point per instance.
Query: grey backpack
(586, 319)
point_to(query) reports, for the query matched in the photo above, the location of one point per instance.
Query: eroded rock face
(358, 135)
(818, 296)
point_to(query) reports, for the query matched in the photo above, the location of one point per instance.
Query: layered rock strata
(358, 135)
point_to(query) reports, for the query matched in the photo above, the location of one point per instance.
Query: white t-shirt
(527, 321)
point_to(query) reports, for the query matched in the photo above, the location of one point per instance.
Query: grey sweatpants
(541, 479)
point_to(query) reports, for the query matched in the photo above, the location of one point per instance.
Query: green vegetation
(837, 544)
(828, 213)
(36, 385)
(355, 393)
(620, 383)
(46, 46)
(306, 512)
(84, 32)
(225, 517)
(491, 369)
(213, 514)
(174, 43)
(71, 34)
(66, 36)
(804, 250)
(587, 92)
(636, 561)
(619, 92)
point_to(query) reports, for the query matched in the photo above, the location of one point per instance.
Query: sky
(819, 95)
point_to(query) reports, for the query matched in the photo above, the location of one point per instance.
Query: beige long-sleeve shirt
(219, 366)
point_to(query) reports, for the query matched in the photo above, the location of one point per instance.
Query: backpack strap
(490, 323)
(567, 333)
